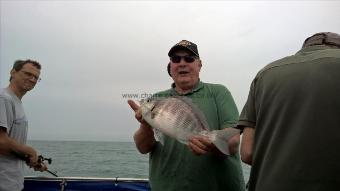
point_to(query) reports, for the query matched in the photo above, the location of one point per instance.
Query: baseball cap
(325, 38)
(184, 45)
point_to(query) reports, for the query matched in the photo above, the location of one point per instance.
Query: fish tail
(221, 137)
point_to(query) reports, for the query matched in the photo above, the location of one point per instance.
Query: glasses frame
(30, 75)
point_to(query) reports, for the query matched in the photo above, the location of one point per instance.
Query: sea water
(95, 159)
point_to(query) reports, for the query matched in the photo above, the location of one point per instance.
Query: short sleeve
(6, 113)
(248, 114)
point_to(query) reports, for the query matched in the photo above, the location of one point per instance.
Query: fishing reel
(42, 159)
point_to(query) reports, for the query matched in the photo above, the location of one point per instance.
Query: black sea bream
(179, 118)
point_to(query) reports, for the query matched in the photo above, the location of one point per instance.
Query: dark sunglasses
(187, 58)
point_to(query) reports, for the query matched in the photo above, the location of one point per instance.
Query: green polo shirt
(173, 167)
(294, 106)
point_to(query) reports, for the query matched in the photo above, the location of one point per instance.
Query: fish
(179, 118)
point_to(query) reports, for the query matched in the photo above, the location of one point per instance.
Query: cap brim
(179, 47)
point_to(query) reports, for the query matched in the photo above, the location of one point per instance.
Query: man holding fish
(187, 130)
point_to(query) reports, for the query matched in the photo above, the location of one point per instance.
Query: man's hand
(200, 145)
(138, 114)
(33, 156)
(144, 136)
(40, 167)
(136, 109)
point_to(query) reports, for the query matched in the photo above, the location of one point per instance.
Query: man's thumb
(133, 105)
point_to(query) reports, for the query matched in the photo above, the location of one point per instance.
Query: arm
(247, 123)
(144, 136)
(8, 146)
(247, 145)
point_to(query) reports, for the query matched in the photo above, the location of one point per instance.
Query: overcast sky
(93, 52)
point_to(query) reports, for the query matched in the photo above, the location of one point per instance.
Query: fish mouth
(153, 107)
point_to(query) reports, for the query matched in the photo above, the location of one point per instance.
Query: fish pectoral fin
(159, 136)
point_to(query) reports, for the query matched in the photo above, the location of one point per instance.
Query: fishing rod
(41, 159)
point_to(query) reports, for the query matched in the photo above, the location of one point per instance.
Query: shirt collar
(313, 48)
(198, 86)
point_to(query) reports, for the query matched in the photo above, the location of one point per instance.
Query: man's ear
(13, 71)
(200, 65)
(168, 68)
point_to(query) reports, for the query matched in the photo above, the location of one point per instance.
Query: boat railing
(35, 183)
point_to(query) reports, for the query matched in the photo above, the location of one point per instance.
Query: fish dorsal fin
(197, 112)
